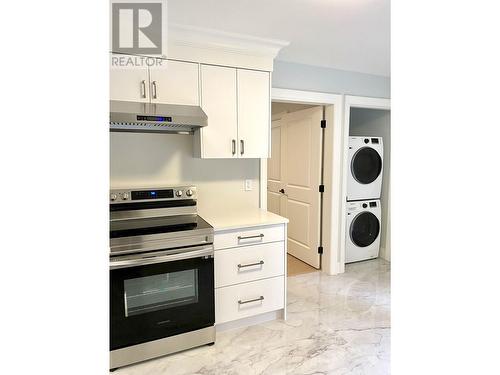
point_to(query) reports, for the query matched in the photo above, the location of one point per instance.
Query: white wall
(287, 75)
(377, 122)
(166, 159)
(277, 107)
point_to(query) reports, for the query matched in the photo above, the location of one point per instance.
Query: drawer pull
(260, 263)
(260, 236)
(261, 298)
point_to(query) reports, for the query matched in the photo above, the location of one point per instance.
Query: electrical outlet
(248, 185)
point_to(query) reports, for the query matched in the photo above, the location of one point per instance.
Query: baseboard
(250, 321)
(383, 255)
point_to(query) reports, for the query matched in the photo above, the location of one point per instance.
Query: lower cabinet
(248, 299)
(248, 263)
(250, 277)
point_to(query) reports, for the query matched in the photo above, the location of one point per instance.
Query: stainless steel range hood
(155, 118)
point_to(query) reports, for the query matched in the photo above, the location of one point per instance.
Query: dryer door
(365, 228)
(366, 165)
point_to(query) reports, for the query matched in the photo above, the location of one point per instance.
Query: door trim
(332, 261)
(336, 165)
(351, 101)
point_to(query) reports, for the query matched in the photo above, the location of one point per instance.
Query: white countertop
(245, 218)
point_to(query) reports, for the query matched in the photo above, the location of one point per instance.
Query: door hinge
(321, 188)
(323, 124)
(320, 250)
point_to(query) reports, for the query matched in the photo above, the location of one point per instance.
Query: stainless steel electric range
(161, 274)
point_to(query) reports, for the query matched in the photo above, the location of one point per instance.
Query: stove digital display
(154, 118)
(151, 194)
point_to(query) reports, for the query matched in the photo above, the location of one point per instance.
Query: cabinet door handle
(260, 236)
(261, 298)
(259, 263)
(155, 96)
(242, 146)
(282, 191)
(143, 88)
(234, 146)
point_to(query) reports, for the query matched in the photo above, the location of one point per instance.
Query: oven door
(160, 294)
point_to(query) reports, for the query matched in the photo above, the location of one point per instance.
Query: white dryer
(364, 180)
(363, 225)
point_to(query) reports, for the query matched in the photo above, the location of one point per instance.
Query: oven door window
(160, 292)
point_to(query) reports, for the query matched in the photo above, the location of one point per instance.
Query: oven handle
(154, 245)
(142, 259)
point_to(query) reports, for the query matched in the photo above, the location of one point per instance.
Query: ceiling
(342, 34)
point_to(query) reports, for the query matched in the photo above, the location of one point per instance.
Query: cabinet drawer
(244, 300)
(249, 263)
(249, 236)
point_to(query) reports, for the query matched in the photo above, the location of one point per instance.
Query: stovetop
(156, 219)
(157, 225)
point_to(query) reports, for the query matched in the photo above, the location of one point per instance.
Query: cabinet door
(130, 84)
(218, 100)
(253, 113)
(176, 82)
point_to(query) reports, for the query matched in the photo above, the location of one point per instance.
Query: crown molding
(225, 42)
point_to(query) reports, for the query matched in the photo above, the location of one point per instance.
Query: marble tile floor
(335, 325)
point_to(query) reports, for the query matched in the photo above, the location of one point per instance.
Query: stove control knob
(189, 192)
(113, 197)
(125, 196)
(178, 193)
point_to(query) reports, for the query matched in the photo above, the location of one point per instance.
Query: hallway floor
(335, 325)
(297, 267)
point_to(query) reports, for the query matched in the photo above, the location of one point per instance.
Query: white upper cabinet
(237, 104)
(130, 84)
(176, 82)
(218, 100)
(227, 75)
(253, 113)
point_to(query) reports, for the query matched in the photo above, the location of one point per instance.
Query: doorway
(294, 176)
(376, 122)
(332, 260)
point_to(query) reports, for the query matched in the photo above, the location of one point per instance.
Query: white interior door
(275, 199)
(298, 180)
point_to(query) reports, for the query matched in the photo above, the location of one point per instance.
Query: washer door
(365, 228)
(366, 165)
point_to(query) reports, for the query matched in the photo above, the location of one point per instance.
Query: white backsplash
(147, 160)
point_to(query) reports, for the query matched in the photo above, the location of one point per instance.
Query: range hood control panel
(154, 118)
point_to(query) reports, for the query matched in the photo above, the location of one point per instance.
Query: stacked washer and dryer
(364, 186)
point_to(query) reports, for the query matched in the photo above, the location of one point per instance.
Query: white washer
(364, 180)
(363, 225)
